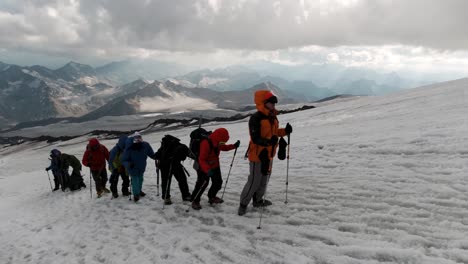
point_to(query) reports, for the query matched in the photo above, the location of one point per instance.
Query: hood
(122, 142)
(260, 97)
(93, 142)
(55, 153)
(128, 142)
(219, 135)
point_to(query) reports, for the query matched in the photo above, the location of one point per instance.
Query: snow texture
(371, 180)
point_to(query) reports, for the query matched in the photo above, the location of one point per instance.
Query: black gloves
(47, 169)
(282, 149)
(288, 129)
(274, 140)
(237, 144)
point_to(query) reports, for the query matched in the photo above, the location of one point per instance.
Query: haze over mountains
(31, 93)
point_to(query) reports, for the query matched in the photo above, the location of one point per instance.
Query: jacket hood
(122, 142)
(219, 135)
(55, 153)
(93, 142)
(262, 96)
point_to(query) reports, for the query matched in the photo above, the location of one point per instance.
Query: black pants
(167, 170)
(62, 179)
(76, 180)
(100, 179)
(202, 182)
(114, 180)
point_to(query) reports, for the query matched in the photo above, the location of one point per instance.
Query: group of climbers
(127, 160)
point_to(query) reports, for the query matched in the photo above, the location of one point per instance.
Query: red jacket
(95, 155)
(209, 153)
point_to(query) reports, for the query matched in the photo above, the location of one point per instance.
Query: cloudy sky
(428, 35)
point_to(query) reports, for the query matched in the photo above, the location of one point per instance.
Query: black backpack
(171, 148)
(196, 137)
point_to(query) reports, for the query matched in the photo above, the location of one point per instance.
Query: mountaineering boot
(187, 198)
(136, 198)
(115, 195)
(106, 190)
(196, 206)
(142, 194)
(215, 200)
(262, 203)
(167, 201)
(242, 209)
(56, 188)
(83, 185)
(126, 193)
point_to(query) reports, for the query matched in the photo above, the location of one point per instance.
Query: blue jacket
(135, 155)
(54, 166)
(115, 153)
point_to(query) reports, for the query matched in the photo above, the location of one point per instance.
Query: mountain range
(30, 93)
(77, 90)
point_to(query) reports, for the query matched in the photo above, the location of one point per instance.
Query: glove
(274, 140)
(282, 149)
(237, 144)
(288, 129)
(47, 169)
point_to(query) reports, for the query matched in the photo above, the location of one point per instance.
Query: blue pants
(137, 184)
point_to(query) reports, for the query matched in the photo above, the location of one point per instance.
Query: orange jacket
(262, 126)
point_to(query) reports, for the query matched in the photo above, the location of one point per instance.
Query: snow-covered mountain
(167, 97)
(36, 92)
(370, 180)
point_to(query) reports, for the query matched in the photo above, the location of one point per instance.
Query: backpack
(196, 137)
(171, 148)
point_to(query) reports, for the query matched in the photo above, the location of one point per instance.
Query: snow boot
(187, 198)
(168, 201)
(196, 206)
(142, 194)
(136, 198)
(242, 210)
(56, 188)
(106, 190)
(262, 203)
(215, 200)
(115, 195)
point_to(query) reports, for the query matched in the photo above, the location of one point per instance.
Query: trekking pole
(90, 183)
(287, 170)
(229, 173)
(130, 196)
(167, 185)
(157, 180)
(48, 176)
(264, 195)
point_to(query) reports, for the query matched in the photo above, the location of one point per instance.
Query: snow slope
(371, 180)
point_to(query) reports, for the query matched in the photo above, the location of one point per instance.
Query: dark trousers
(114, 180)
(202, 182)
(76, 180)
(176, 169)
(62, 178)
(100, 179)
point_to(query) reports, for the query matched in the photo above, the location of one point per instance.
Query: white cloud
(388, 33)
